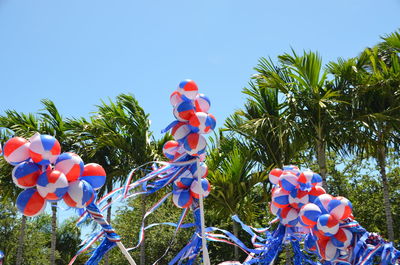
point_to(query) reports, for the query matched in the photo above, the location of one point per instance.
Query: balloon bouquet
(47, 175)
(308, 216)
(185, 171)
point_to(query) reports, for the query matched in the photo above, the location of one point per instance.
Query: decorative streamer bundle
(308, 216)
(47, 175)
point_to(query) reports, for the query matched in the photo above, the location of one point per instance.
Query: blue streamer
(105, 246)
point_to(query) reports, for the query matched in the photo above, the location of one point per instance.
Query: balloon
(319, 235)
(298, 198)
(316, 180)
(184, 180)
(71, 165)
(274, 210)
(342, 239)
(202, 103)
(52, 185)
(44, 149)
(94, 174)
(184, 111)
(195, 144)
(274, 175)
(182, 198)
(80, 194)
(202, 122)
(289, 216)
(322, 202)
(292, 168)
(202, 170)
(309, 214)
(340, 208)
(327, 224)
(327, 250)
(26, 174)
(170, 149)
(280, 198)
(315, 192)
(30, 203)
(288, 181)
(305, 179)
(175, 98)
(203, 188)
(180, 131)
(16, 150)
(188, 89)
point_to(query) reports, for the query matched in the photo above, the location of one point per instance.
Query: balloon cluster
(299, 201)
(46, 174)
(193, 120)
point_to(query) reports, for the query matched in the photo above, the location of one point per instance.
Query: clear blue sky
(79, 52)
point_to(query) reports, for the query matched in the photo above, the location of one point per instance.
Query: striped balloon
(170, 149)
(16, 150)
(26, 174)
(322, 202)
(327, 224)
(52, 185)
(305, 179)
(175, 98)
(288, 181)
(274, 175)
(327, 250)
(184, 111)
(180, 131)
(289, 216)
(316, 180)
(315, 192)
(80, 194)
(298, 198)
(182, 198)
(30, 203)
(202, 122)
(309, 214)
(197, 189)
(340, 208)
(195, 144)
(202, 170)
(280, 198)
(70, 164)
(95, 175)
(188, 89)
(342, 239)
(184, 180)
(292, 168)
(274, 210)
(202, 103)
(44, 149)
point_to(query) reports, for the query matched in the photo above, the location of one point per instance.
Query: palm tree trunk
(236, 234)
(288, 256)
(21, 240)
(386, 202)
(53, 233)
(321, 160)
(143, 244)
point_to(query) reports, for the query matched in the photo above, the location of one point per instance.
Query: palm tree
(374, 89)
(49, 121)
(264, 126)
(118, 137)
(309, 103)
(23, 125)
(234, 178)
